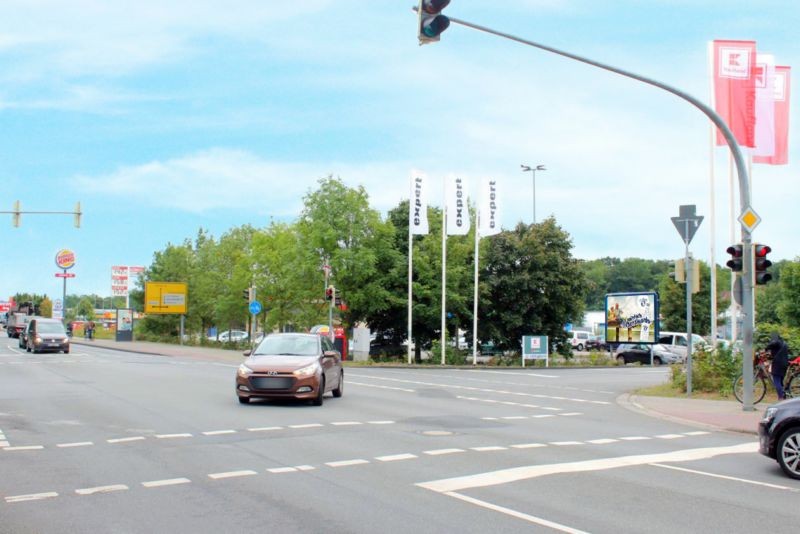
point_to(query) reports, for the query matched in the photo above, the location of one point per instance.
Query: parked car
(596, 343)
(640, 352)
(46, 335)
(233, 336)
(677, 342)
(578, 339)
(779, 435)
(295, 366)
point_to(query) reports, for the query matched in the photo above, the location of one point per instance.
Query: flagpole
(444, 269)
(712, 202)
(410, 278)
(732, 230)
(475, 295)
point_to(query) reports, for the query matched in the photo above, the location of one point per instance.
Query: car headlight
(770, 413)
(308, 370)
(244, 371)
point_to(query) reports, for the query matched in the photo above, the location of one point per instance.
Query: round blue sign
(255, 307)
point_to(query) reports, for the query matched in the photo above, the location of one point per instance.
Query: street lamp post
(527, 168)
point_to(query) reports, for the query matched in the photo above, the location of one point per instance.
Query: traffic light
(246, 294)
(329, 293)
(762, 263)
(16, 214)
(695, 265)
(77, 214)
(431, 22)
(735, 263)
(678, 271)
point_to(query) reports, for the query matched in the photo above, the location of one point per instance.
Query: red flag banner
(735, 89)
(782, 92)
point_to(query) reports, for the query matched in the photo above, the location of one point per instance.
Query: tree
(789, 305)
(533, 283)
(673, 303)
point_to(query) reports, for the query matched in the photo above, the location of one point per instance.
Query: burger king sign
(65, 259)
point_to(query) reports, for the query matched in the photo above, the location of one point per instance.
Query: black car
(779, 435)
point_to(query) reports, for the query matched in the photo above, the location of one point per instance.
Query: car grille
(272, 382)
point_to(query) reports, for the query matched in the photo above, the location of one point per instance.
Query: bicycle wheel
(793, 386)
(759, 388)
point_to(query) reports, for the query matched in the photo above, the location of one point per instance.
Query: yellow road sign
(749, 218)
(165, 297)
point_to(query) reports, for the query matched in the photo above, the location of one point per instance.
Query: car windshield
(50, 328)
(288, 346)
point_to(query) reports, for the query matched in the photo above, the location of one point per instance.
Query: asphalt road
(108, 441)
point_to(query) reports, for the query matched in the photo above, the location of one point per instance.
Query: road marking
(570, 414)
(602, 441)
(698, 433)
(396, 457)
(309, 425)
(542, 416)
(563, 443)
(265, 428)
(125, 440)
(505, 476)
(514, 513)
(232, 474)
(439, 452)
(345, 463)
(165, 482)
(101, 489)
(77, 444)
(380, 422)
(278, 470)
(634, 438)
(346, 423)
(406, 390)
(725, 477)
(513, 417)
(31, 497)
(218, 432)
(173, 436)
(305, 467)
(528, 446)
(24, 448)
(3, 444)
(489, 448)
(669, 436)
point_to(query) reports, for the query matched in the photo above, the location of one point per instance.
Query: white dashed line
(77, 444)
(101, 489)
(218, 432)
(438, 452)
(278, 470)
(542, 416)
(232, 474)
(396, 457)
(309, 425)
(564, 443)
(173, 436)
(489, 448)
(346, 423)
(380, 422)
(165, 482)
(305, 467)
(25, 448)
(669, 436)
(602, 441)
(528, 446)
(125, 440)
(265, 429)
(634, 438)
(31, 497)
(698, 433)
(345, 463)
(513, 417)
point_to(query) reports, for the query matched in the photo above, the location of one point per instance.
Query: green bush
(713, 371)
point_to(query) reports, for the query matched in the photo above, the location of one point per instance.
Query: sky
(162, 118)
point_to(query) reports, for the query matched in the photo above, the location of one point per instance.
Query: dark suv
(46, 335)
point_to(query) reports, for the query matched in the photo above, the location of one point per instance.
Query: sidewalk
(710, 414)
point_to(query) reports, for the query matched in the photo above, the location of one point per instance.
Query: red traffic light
(762, 263)
(761, 251)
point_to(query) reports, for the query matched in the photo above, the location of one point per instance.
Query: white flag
(490, 208)
(418, 204)
(455, 191)
(765, 106)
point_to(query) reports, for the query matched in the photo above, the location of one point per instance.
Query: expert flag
(418, 204)
(455, 191)
(490, 208)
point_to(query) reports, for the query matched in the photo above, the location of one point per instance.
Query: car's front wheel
(580, 346)
(319, 399)
(621, 359)
(788, 452)
(657, 360)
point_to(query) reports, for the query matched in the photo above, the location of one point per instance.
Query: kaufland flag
(489, 214)
(781, 95)
(734, 78)
(418, 204)
(455, 191)
(765, 106)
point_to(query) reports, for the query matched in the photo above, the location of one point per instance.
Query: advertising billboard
(632, 317)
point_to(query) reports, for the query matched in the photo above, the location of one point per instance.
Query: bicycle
(762, 377)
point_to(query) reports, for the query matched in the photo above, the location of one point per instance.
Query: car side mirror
(247, 353)
(330, 354)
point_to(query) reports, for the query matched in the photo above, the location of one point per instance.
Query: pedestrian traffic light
(431, 22)
(329, 293)
(762, 263)
(736, 262)
(678, 271)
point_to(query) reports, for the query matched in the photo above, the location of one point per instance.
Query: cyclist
(780, 361)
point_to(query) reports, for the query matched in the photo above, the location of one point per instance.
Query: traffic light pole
(687, 265)
(748, 309)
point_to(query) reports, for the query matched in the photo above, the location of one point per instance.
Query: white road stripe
(396, 457)
(725, 477)
(277, 470)
(563, 443)
(31, 497)
(3, 444)
(77, 444)
(25, 448)
(670, 436)
(125, 440)
(218, 432)
(504, 476)
(528, 446)
(173, 436)
(698, 433)
(165, 482)
(232, 474)
(439, 452)
(309, 425)
(489, 448)
(542, 416)
(345, 463)
(634, 438)
(602, 441)
(346, 423)
(305, 467)
(380, 422)
(513, 417)
(518, 515)
(101, 489)
(265, 428)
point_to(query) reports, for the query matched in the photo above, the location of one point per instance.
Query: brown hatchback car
(294, 366)
(46, 335)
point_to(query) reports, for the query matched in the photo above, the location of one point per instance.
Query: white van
(677, 342)
(578, 339)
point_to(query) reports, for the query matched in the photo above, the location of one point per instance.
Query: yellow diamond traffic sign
(749, 219)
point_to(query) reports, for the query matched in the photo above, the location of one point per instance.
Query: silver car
(640, 352)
